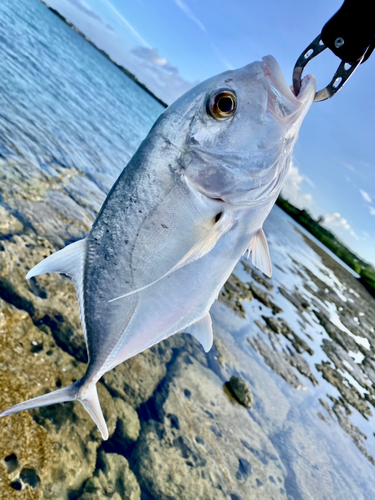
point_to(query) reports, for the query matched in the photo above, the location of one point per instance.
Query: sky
(171, 45)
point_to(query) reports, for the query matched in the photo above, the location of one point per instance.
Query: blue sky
(172, 44)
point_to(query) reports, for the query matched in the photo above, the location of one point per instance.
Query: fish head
(236, 132)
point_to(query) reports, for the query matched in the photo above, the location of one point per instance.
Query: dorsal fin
(69, 260)
(199, 250)
(202, 331)
(260, 255)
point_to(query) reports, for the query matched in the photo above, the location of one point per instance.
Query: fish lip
(275, 78)
(307, 90)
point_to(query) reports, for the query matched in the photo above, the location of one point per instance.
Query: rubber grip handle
(350, 33)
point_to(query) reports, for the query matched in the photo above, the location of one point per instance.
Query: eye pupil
(225, 104)
(221, 105)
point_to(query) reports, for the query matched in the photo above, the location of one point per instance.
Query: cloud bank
(335, 221)
(157, 73)
(292, 188)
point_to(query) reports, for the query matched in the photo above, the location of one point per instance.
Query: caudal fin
(92, 406)
(88, 398)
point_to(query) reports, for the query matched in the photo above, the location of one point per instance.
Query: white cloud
(190, 14)
(157, 73)
(309, 181)
(336, 221)
(292, 189)
(133, 31)
(372, 210)
(152, 56)
(79, 12)
(365, 196)
(349, 167)
(85, 8)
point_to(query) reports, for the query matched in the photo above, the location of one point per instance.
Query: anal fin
(202, 331)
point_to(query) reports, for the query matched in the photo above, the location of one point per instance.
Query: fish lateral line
(224, 224)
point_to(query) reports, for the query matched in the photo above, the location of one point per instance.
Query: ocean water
(62, 101)
(304, 341)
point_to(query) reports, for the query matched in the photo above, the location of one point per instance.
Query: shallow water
(69, 122)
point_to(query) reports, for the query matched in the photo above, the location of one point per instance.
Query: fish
(190, 202)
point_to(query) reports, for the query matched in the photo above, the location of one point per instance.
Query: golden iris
(222, 105)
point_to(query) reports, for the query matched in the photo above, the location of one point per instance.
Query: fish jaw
(282, 100)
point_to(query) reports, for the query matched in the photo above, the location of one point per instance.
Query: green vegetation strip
(364, 269)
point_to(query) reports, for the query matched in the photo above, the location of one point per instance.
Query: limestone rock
(202, 444)
(350, 394)
(48, 451)
(50, 299)
(136, 379)
(276, 361)
(113, 479)
(260, 278)
(264, 298)
(128, 425)
(9, 224)
(241, 389)
(234, 293)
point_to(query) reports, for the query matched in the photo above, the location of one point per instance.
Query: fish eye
(222, 105)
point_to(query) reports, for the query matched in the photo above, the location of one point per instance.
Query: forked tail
(78, 391)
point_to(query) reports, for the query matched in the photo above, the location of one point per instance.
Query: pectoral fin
(202, 331)
(199, 250)
(260, 255)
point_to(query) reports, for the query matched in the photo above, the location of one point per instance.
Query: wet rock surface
(276, 361)
(264, 298)
(241, 391)
(193, 436)
(112, 479)
(169, 410)
(234, 293)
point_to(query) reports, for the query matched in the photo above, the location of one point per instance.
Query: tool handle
(350, 33)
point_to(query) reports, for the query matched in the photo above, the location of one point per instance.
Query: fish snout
(282, 101)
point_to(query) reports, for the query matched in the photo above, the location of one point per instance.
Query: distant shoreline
(124, 70)
(365, 270)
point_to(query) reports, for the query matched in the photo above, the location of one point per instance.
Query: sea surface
(303, 341)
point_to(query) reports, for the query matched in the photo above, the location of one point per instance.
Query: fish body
(190, 202)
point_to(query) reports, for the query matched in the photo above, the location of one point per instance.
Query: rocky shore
(183, 425)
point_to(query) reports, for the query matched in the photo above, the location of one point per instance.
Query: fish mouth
(281, 96)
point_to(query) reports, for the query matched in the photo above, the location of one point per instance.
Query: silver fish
(188, 205)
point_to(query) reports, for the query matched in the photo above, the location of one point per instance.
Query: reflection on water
(301, 344)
